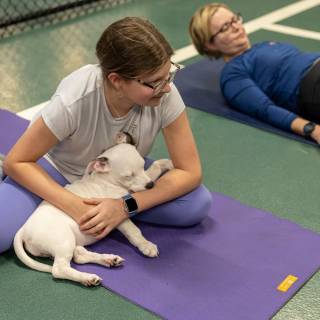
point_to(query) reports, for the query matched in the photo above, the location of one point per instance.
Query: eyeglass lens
(235, 19)
(159, 86)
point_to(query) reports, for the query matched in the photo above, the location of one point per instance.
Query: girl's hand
(103, 217)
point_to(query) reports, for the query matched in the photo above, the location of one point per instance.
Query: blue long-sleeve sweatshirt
(264, 81)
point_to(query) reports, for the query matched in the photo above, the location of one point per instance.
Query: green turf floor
(258, 168)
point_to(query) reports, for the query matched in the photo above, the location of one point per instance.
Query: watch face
(308, 128)
(131, 204)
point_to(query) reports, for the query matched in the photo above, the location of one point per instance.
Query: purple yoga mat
(226, 268)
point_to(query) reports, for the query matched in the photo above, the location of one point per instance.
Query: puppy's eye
(128, 175)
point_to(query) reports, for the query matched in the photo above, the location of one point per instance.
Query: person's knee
(197, 208)
(5, 242)
(4, 248)
(17, 205)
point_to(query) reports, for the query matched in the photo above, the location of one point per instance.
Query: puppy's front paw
(165, 164)
(149, 249)
(111, 260)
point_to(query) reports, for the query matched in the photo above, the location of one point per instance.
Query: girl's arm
(186, 174)
(20, 164)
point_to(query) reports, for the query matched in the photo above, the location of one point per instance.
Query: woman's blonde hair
(132, 47)
(199, 28)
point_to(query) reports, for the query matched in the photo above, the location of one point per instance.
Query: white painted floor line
(251, 26)
(184, 53)
(281, 14)
(293, 31)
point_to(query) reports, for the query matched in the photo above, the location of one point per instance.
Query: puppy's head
(122, 165)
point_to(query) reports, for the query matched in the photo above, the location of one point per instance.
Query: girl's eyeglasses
(157, 86)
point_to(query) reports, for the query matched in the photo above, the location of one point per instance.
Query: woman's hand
(315, 135)
(103, 217)
(298, 124)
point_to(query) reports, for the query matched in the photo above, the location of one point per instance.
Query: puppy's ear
(124, 137)
(100, 164)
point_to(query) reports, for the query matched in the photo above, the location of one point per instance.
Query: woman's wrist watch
(308, 129)
(130, 205)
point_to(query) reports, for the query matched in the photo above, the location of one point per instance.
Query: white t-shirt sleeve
(59, 118)
(172, 107)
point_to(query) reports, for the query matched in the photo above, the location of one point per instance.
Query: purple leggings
(17, 204)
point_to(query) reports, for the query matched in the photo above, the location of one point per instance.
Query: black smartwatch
(308, 129)
(130, 204)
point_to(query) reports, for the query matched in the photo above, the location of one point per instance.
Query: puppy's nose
(150, 185)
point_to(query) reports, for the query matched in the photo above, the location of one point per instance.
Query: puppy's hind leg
(82, 255)
(61, 268)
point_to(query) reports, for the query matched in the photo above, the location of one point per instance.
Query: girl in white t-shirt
(130, 90)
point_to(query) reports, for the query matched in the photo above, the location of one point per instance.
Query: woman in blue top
(272, 81)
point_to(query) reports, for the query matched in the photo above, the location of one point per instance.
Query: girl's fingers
(88, 216)
(105, 232)
(96, 229)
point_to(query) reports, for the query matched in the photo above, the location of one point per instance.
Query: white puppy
(49, 232)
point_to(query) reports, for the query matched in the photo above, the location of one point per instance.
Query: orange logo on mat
(286, 284)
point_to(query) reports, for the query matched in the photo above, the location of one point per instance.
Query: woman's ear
(210, 46)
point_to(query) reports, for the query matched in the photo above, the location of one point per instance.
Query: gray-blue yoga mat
(226, 268)
(199, 87)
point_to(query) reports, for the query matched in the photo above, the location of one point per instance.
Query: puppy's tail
(23, 256)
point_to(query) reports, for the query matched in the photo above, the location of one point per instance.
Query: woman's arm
(244, 95)
(20, 164)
